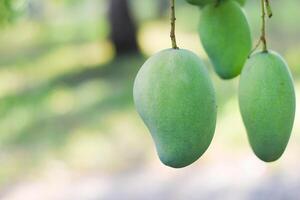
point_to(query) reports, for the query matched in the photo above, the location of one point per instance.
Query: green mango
(267, 104)
(225, 35)
(202, 3)
(175, 97)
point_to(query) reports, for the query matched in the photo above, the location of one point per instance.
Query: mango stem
(266, 9)
(173, 19)
(263, 27)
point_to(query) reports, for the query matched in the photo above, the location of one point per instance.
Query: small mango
(267, 104)
(175, 97)
(225, 35)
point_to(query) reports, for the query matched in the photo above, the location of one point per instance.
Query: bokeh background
(68, 127)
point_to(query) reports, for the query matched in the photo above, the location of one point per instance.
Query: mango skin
(225, 35)
(202, 3)
(267, 104)
(174, 95)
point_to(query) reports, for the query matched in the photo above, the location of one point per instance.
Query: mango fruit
(225, 35)
(267, 104)
(175, 97)
(202, 3)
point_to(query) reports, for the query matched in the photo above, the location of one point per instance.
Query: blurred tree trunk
(123, 29)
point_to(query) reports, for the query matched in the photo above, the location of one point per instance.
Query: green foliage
(175, 97)
(225, 35)
(267, 103)
(10, 10)
(5, 11)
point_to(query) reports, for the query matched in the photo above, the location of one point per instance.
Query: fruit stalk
(263, 27)
(173, 19)
(266, 9)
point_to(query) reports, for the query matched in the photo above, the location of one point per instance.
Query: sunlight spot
(154, 37)
(60, 61)
(91, 92)
(88, 148)
(10, 80)
(61, 101)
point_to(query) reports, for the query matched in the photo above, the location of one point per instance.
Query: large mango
(174, 95)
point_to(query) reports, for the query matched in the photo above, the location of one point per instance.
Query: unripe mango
(202, 3)
(225, 36)
(174, 95)
(267, 104)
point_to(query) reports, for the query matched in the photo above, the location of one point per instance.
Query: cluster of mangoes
(175, 97)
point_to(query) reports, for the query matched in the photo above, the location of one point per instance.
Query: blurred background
(68, 127)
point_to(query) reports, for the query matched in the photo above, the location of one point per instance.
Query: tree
(123, 29)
